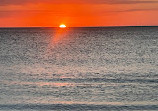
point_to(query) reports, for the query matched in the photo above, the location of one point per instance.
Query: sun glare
(62, 26)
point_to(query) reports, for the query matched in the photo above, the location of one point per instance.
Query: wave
(119, 80)
(75, 107)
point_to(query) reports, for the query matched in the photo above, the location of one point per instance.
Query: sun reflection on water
(60, 35)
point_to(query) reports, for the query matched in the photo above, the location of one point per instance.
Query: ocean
(79, 69)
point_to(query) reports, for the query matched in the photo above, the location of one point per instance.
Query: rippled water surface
(113, 68)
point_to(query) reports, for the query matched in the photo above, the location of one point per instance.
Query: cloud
(127, 1)
(55, 13)
(134, 10)
(20, 2)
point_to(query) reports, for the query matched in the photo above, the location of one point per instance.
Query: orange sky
(52, 13)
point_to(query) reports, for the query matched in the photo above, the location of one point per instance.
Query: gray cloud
(124, 11)
(20, 2)
(134, 10)
(122, 1)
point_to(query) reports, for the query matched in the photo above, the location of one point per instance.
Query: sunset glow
(50, 13)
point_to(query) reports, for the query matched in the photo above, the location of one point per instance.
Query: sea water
(90, 68)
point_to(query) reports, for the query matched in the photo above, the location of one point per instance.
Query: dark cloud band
(19, 2)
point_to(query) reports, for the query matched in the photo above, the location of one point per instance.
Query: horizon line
(82, 26)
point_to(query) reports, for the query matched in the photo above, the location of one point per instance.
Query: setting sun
(62, 26)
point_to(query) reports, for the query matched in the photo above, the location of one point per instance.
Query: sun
(62, 26)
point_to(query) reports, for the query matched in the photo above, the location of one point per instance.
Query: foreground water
(79, 68)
